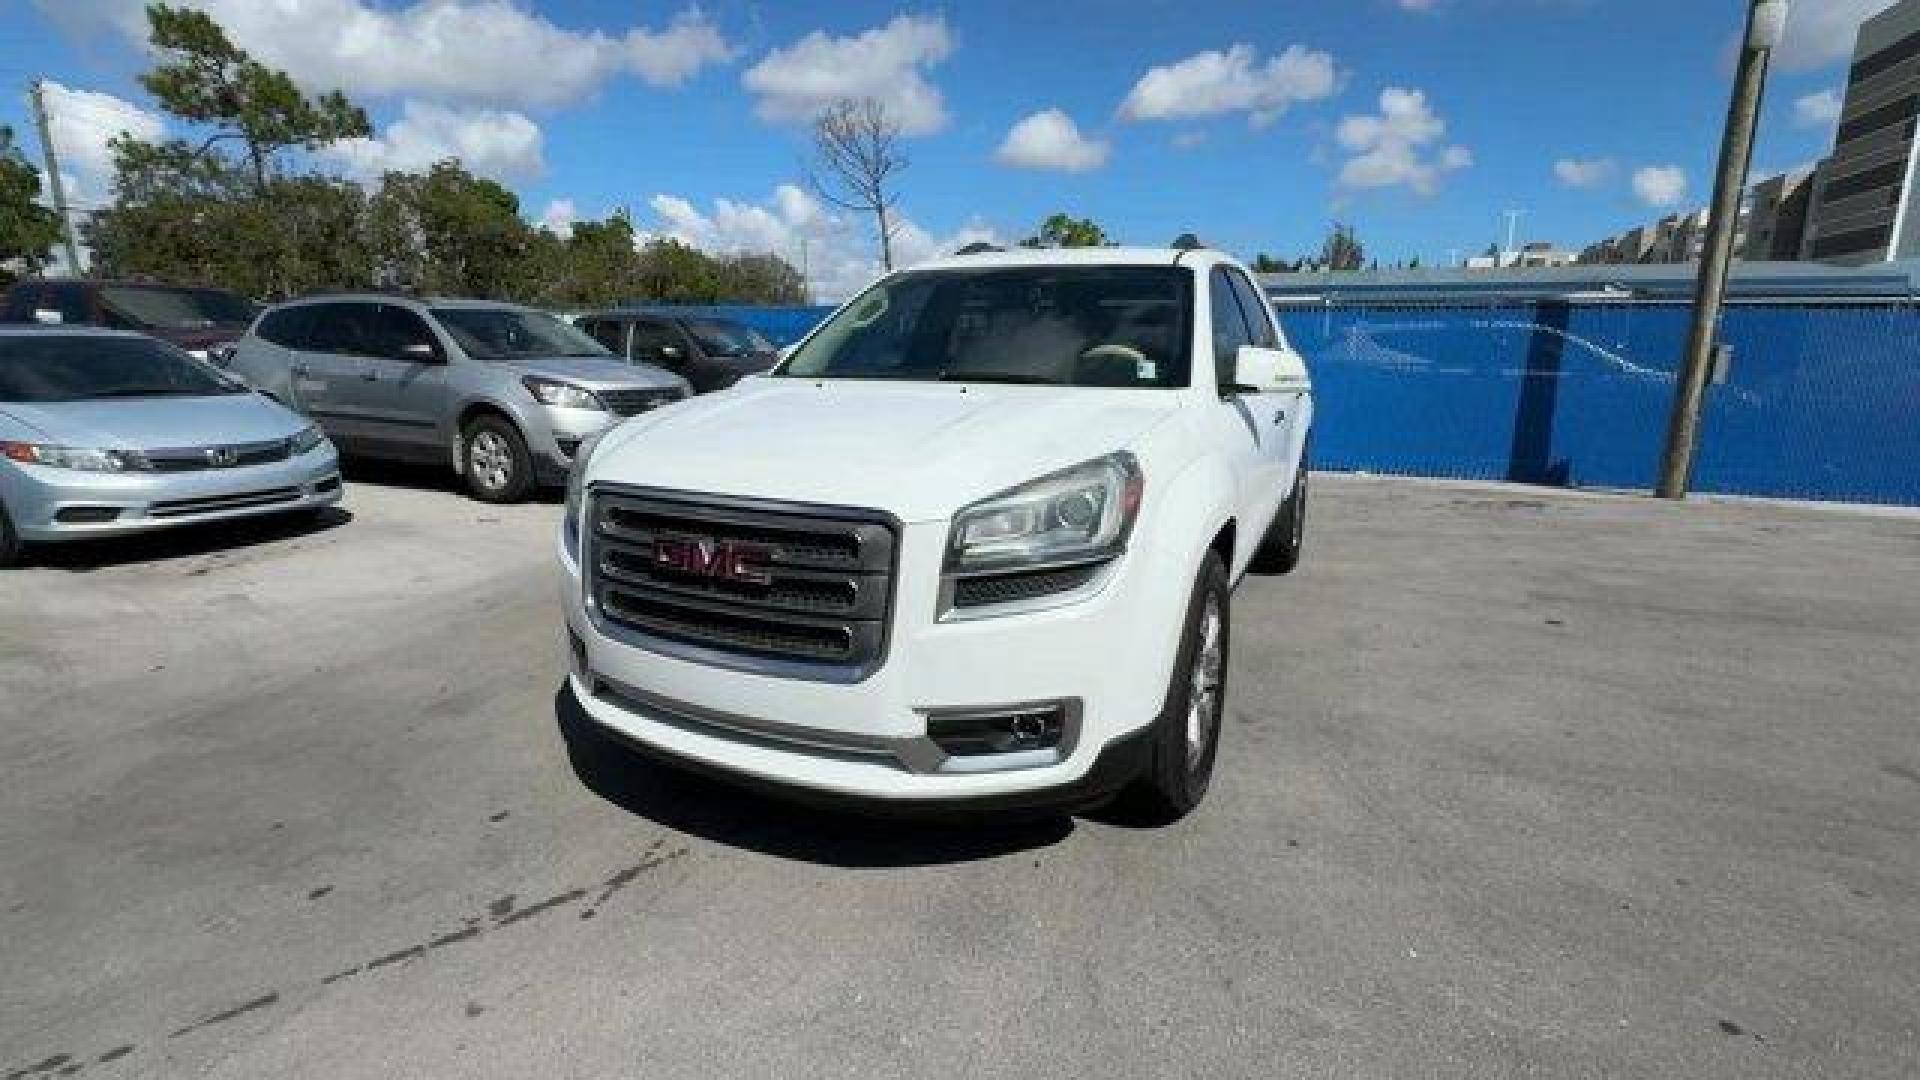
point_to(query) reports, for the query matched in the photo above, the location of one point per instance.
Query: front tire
(1186, 737)
(12, 548)
(495, 461)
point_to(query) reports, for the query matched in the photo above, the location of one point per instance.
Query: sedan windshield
(176, 309)
(508, 334)
(73, 368)
(724, 337)
(1051, 325)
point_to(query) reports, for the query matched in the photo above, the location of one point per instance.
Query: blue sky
(1252, 124)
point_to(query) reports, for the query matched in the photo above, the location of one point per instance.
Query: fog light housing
(577, 652)
(1014, 730)
(86, 515)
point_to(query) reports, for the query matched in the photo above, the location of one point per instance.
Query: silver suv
(505, 393)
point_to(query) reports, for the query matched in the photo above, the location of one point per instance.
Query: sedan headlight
(81, 458)
(309, 439)
(1076, 516)
(561, 395)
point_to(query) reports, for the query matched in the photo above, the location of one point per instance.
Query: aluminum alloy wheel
(1203, 686)
(491, 460)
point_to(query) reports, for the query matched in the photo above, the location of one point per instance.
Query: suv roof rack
(979, 247)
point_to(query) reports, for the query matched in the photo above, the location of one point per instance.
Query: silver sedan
(104, 432)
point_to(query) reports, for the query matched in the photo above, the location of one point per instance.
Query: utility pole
(1765, 21)
(54, 186)
(1513, 228)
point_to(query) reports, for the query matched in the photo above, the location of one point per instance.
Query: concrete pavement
(1516, 783)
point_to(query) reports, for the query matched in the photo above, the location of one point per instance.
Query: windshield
(1052, 325)
(177, 309)
(72, 368)
(724, 337)
(508, 333)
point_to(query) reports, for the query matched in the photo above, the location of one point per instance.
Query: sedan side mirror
(1269, 371)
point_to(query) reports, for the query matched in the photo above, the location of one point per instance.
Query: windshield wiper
(1016, 377)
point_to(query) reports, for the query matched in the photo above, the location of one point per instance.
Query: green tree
(761, 279)
(1267, 264)
(204, 78)
(1342, 251)
(447, 231)
(1066, 231)
(28, 230)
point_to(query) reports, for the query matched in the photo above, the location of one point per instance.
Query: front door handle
(370, 375)
(301, 369)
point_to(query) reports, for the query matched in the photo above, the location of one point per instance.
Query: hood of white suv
(919, 451)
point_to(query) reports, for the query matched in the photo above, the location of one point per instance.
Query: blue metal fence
(1822, 399)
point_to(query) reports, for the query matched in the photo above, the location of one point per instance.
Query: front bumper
(557, 433)
(1110, 654)
(47, 504)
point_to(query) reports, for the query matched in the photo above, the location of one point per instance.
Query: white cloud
(83, 122)
(503, 145)
(1822, 32)
(1187, 140)
(887, 63)
(1401, 146)
(1818, 109)
(837, 251)
(1050, 140)
(1584, 172)
(1660, 185)
(1214, 82)
(559, 216)
(491, 51)
(1418, 5)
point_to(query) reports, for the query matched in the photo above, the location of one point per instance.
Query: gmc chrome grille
(804, 590)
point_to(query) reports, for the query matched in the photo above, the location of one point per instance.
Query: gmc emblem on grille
(720, 559)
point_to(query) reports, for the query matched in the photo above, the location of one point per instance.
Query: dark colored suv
(202, 321)
(709, 352)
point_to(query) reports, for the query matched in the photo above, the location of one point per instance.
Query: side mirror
(48, 317)
(420, 352)
(1269, 371)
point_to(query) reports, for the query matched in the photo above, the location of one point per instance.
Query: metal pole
(54, 187)
(1765, 20)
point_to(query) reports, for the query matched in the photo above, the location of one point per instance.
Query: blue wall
(1822, 402)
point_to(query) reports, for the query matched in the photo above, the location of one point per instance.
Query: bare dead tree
(856, 144)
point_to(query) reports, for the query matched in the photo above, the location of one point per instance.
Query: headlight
(1077, 515)
(82, 458)
(576, 492)
(561, 395)
(309, 438)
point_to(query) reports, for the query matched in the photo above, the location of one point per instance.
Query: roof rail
(979, 247)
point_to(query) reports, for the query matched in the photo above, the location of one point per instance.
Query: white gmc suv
(970, 545)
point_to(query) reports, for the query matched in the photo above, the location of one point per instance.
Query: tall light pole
(1765, 21)
(55, 187)
(1513, 228)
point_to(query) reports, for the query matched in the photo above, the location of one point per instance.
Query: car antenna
(1184, 243)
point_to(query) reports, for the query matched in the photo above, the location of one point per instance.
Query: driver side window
(1229, 327)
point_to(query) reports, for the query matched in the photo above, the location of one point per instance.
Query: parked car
(710, 353)
(204, 322)
(104, 432)
(970, 545)
(502, 393)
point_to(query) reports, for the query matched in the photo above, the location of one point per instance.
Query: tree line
(248, 207)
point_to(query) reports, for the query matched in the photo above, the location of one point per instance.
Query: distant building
(1778, 209)
(1863, 202)
(1536, 254)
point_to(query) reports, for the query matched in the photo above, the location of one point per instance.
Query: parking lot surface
(1515, 782)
